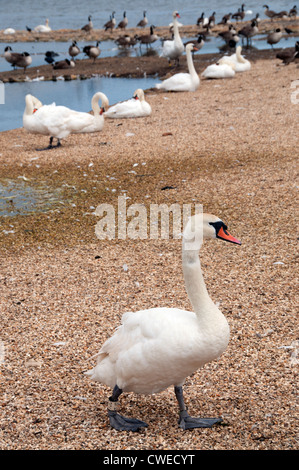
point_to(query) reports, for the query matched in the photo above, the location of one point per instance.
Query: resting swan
(159, 347)
(183, 81)
(241, 64)
(172, 50)
(134, 107)
(223, 70)
(43, 28)
(60, 121)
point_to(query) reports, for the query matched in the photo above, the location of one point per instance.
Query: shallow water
(76, 94)
(20, 197)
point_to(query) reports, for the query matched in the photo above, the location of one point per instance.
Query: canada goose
(202, 20)
(183, 81)
(270, 13)
(198, 43)
(49, 56)
(92, 51)
(142, 23)
(228, 34)
(74, 50)
(63, 64)
(172, 50)
(212, 19)
(123, 41)
(28, 29)
(124, 22)
(159, 347)
(89, 26)
(59, 121)
(225, 19)
(16, 59)
(289, 55)
(240, 13)
(135, 107)
(249, 31)
(111, 23)
(275, 37)
(293, 12)
(43, 28)
(282, 14)
(148, 39)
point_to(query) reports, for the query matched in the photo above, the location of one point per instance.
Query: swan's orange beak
(225, 235)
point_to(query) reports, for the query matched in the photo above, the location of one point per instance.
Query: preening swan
(172, 50)
(223, 70)
(134, 107)
(241, 64)
(183, 81)
(60, 121)
(159, 347)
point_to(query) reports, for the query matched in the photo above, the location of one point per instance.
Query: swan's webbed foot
(121, 423)
(51, 146)
(187, 422)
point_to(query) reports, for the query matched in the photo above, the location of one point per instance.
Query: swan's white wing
(149, 351)
(124, 109)
(178, 82)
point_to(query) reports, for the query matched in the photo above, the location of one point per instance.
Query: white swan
(157, 348)
(134, 107)
(9, 31)
(59, 121)
(223, 70)
(241, 64)
(183, 81)
(43, 28)
(172, 50)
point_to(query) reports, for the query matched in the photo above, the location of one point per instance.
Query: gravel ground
(232, 146)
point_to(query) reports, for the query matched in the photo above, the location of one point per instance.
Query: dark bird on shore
(289, 55)
(49, 56)
(63, 64)
(275, 37)
(225, 19)
(270, 13)
(293, 11)
(198, 43)
(240, 13)
(124, 22)
(16, 59)
(89, 26)
(249, 31)
(142, 23)
(28, 29)
(111, 23)
(92, 51)
(74, 50)
(148, 39)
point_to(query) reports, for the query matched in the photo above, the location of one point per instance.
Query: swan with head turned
(173, 49)
(133, 108)
(220, 70)
(60, 121)
(183, 81)
(241, 64)
(157, 348)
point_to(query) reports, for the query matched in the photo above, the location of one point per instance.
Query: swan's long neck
(176, 33)
(240, 58)
(95, 103)
(190, 63)
(29, 106)
(195, 284)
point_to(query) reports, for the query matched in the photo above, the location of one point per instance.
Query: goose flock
(173, 48)
(156, 348)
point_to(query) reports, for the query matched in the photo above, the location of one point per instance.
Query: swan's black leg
(186, 421)
(119, 422)
(51, 146)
